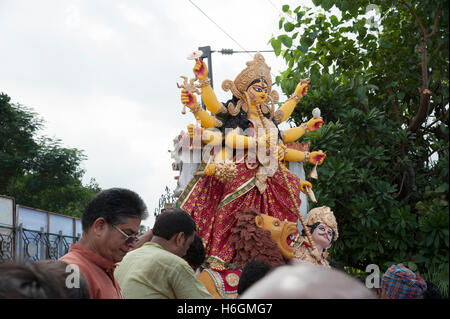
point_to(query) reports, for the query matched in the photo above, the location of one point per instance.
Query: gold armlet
(307, 157)
(294, 97)
(305, 127)
(196, 108)
(204, 83)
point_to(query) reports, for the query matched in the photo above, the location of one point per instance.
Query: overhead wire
(217, 25)
(228, 35)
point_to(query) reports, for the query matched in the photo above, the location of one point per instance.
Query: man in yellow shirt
(157, 270)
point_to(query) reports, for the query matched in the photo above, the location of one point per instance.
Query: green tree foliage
(37, 171)
(382, 86)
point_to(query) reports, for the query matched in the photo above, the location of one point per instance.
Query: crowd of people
(111, 262)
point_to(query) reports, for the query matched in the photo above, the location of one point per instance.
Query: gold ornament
(232, 279)
(294, 97)
(216, 263)
(204, 83)
(225, 171)
(307, 157)
(305, 127)
(306, 253)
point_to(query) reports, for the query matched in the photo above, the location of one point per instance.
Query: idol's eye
(257, 89)
(276, 223)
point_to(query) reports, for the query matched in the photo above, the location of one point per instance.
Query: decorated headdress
(256, 69)
(322, 215)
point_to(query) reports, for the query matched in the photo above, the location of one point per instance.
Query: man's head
(307, 281)
(175, 229)
(252, 272)
(399, 282)
(111, 222)
(196, 254)
(40, 280)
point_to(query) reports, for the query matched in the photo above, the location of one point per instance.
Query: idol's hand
(200, 70)
(317, 157)
(191, 128)
(315, 124)
(302, 88)
(188, 99)
(303, 185)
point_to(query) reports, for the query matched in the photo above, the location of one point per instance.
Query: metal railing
(21, 244)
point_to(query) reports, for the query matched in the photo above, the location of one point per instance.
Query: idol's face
(323, 236)
(259, 91)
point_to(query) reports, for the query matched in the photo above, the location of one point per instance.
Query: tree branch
(432, 123)
(416, 16)
(424, 90)
(436, 19)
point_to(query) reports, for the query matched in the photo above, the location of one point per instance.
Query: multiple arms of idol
(235, 140)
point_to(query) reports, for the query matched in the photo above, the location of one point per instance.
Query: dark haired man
(157, 270)
(253, 271)
(110, 224)
(196, 255)
(45, 279)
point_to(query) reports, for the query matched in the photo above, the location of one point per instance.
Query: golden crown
(255, 69)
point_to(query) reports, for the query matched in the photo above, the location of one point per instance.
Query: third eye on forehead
(260, 88)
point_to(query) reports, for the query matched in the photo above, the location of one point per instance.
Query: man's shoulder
(156, 254)
(72, 258)
(154, 249)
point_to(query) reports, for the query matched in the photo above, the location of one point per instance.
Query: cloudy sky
(103, 74)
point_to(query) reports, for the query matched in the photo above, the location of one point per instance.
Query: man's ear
(179, 239)
(99, 226)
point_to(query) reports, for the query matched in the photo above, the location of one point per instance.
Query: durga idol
(246, 169)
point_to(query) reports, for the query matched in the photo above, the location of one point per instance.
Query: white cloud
(136, 16)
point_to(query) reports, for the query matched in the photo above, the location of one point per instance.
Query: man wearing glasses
(157, 270)
(110, 224)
